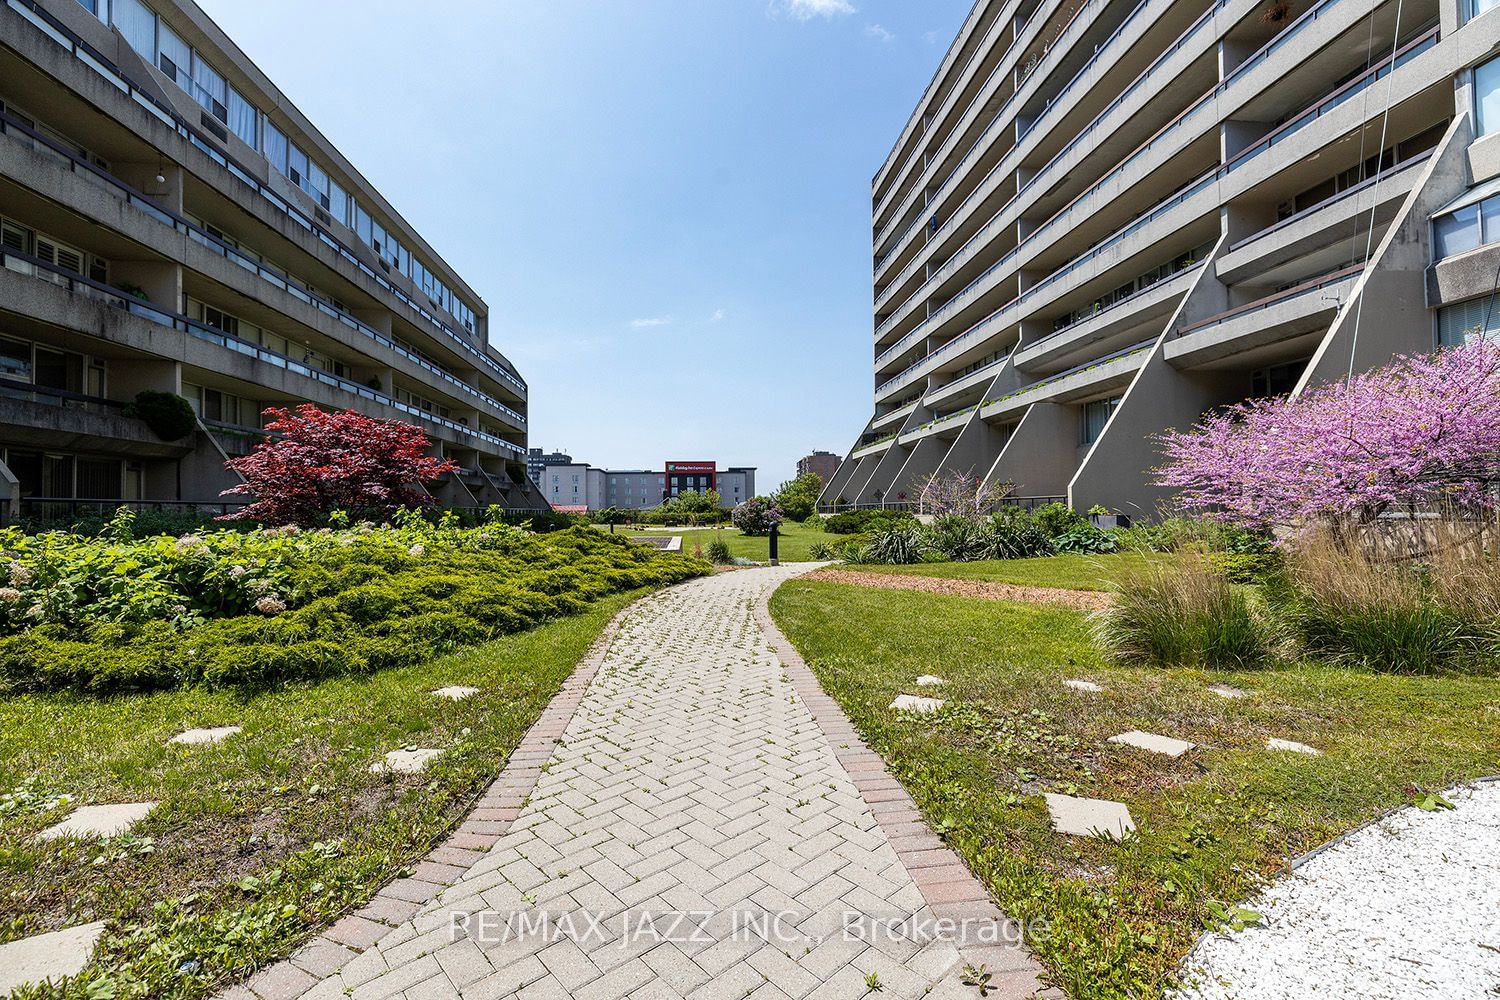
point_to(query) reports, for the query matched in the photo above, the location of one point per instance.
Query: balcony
(40, 417)
(12, 263)
(1244, 334)
(1112, 372)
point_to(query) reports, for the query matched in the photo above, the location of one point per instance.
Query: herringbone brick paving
(694, 834)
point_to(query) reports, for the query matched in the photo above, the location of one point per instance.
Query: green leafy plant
(1226, 917)
(169, 416)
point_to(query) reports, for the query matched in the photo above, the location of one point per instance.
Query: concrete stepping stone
(1292, 745)
(407, 761)
(1080, 817)
(43, 957)
(1154, 742)
(1225, 691)
(196, 737)
(1078, 685)
(912, 703)
(455, 692)
(930, 680)
(99, 821)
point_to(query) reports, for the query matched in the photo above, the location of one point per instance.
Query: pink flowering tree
(961, 493)
(1422, 432)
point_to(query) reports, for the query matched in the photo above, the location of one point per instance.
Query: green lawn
(792, 545)
(1211, 824)
(263, 837)
(1071, 572)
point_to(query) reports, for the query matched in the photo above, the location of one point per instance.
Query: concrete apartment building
(170, 221)
(1106, 217)
(578, 486)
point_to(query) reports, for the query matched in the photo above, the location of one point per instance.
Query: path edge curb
(488, 819)
(948, 886)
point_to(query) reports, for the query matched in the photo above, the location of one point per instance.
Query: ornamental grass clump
(1340, 603)
(1186, 615)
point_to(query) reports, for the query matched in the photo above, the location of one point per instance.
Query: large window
(1464, 322)
(1466, 228)
(1095, 416)
(243, 119)
(1487, 96)
(138, 25)
(275, 146)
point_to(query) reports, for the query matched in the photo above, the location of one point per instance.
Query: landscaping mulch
(1083, 600)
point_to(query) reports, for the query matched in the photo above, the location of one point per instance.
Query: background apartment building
(580, 487)
(824, 464)
(170, 221)
(1106, 217)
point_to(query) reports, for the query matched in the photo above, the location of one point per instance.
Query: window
(297, 161)
(1463, 322)
(275, 146)
(175, 57)
(243, 118)
(221, 321)
(57, 254)
(209, 89)
(1466, 228)
(1487, 96)
(1477, 7)
(14, 237)
(15, 360)
(138, 25)
(1095, 416)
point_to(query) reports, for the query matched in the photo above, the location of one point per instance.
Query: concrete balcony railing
(46, 418)
(24, 264)
(1099, 375)
(1291, 312)
(12, 128)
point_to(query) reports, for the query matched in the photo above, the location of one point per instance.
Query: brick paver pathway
(694, 834)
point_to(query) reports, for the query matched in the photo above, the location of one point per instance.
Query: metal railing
(96, 60)
(33, 267)
(1312, 285)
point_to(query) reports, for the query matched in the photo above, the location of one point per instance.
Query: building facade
(1106, 217)
(170, 221)
(538, 460)
(580, 486)
(823, 464)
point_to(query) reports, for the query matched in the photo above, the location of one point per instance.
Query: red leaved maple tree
(317, 462)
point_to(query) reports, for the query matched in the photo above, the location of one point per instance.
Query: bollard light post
(774, 560)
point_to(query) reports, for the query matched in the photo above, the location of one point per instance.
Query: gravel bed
(1085, 600)
(1407, 907)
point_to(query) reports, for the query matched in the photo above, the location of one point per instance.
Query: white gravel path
(1408, 907)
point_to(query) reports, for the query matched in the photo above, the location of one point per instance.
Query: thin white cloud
(806, 10)
(879, 31)
(718, 315)
(642, 324)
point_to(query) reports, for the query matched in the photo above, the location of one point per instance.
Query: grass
(262, 838)
(1069, 572)
(1120, 915)
(793, 542)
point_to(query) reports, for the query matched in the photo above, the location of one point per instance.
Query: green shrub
(1244, 567)
(852, 522)
(1015, 534)
(169, 416)
(898, 546)
(956, 537)
(813, 521)
(1085, 539)
(718, 551)
(162, 612)
(1058, 519)
(1188, 616)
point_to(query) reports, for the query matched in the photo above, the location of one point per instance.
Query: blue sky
(665, 203)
